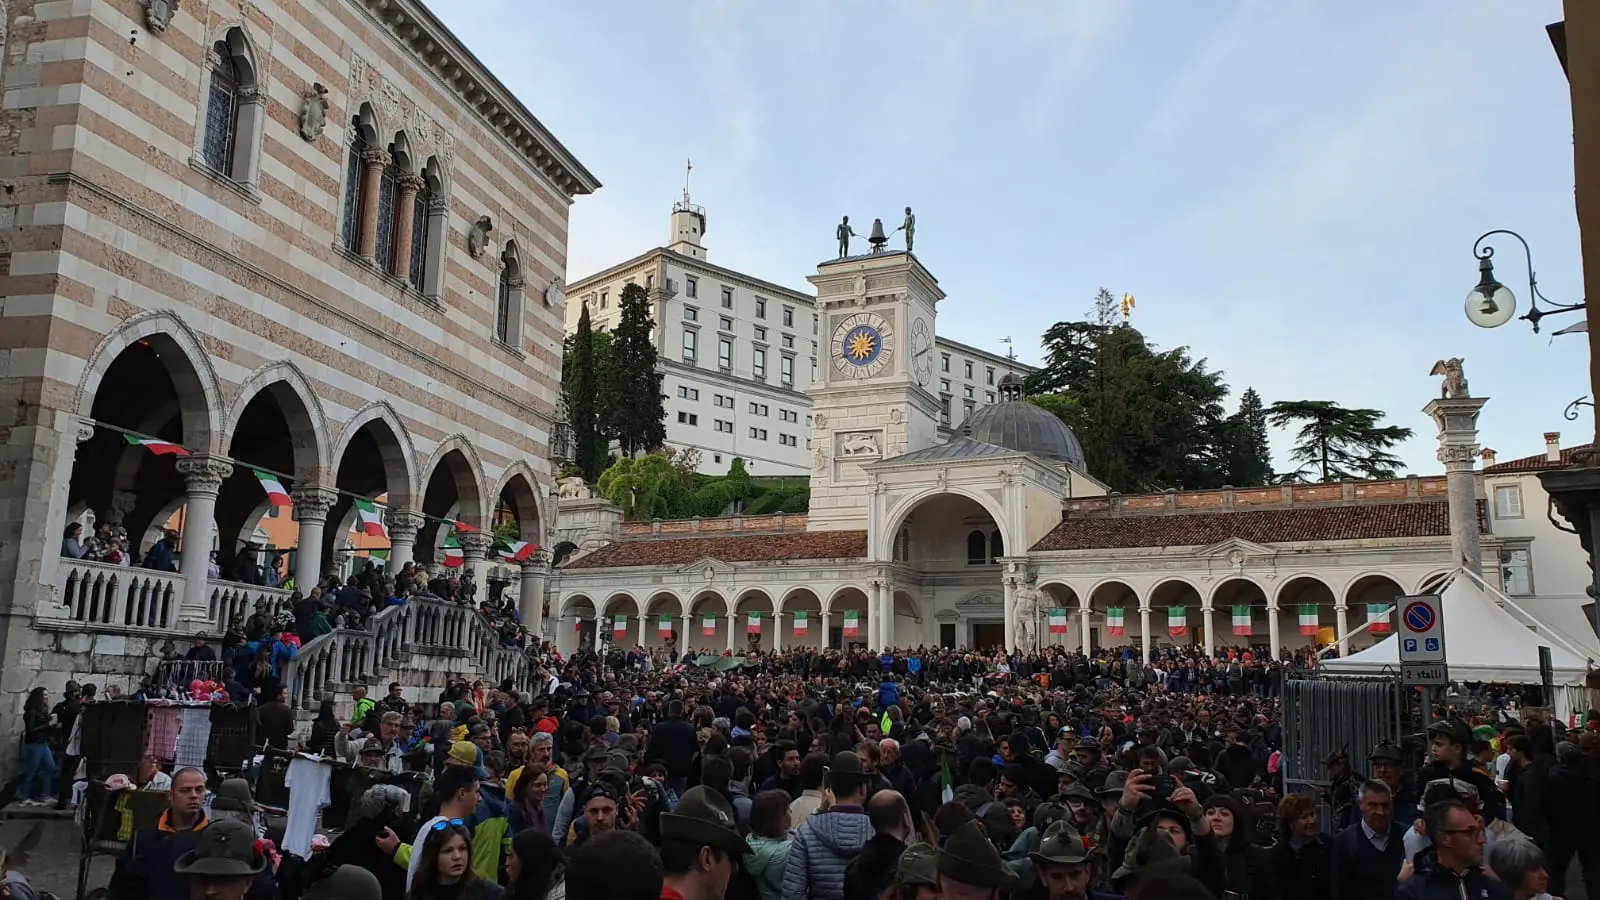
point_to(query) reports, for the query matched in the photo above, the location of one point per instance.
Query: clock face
(863, 345)
(921, 352)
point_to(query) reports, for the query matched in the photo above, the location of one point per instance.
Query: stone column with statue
(1455, 413)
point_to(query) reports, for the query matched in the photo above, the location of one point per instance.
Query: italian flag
(852, 623)
(452, 552)
(1177, 621)
(802, 621)
(1058, 621)
(158, 447)
(1241, 621)
(1114, 624)
(619, 626)
(518, 551)
(752, 623)
(464, 528)
(708, 625)
(1378, 618)
(276, 495)
(664, 627)
(368, 521)
(1308, 620)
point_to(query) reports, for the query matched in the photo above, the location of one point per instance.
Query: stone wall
(1414, 487)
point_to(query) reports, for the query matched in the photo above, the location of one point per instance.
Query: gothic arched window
(388, 198)
(222, 110)
(350, 228)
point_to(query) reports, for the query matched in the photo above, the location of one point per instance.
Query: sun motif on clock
(864, 345)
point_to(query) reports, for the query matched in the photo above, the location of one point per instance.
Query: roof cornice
(689, 262)
(416, 28)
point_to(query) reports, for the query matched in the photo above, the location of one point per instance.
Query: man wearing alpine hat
(225, 865)
(970, 867)
(1064, 864)
(700, 847)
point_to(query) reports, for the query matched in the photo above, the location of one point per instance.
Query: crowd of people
(827, 775)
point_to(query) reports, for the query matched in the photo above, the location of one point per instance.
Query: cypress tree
(632, 407)
(580, 381)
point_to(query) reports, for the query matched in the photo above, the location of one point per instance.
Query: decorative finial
(1128, 303)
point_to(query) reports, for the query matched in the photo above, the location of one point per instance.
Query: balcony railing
(106, 597)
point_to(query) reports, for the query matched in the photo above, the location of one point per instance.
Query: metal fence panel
(1323, 716)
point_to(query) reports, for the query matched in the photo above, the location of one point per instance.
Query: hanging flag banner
(518, 551)
(453, 556)
(578, 626)
(852, 623)
(1114, 624)
(276, 494)
(801, 622)
(664, 627)
(1378, 618)
(1177, 621)
(708, 625)
(368, 521)
(619, 626)
(464, 528)
(159, 448)
(1308, 620)
(1241, 621)
(1058, 621)
(753, 623)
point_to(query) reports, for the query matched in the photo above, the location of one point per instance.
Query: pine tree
(632, 406)
(1335, 443)
(1249, 457)
(580, 381)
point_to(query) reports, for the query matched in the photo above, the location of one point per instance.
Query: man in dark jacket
(1367, 856)
(1453, 867)
(872, 870)
(673, 743)
(1237, 762)
(145, 870)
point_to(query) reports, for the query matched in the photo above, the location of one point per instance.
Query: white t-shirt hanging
(307, 781)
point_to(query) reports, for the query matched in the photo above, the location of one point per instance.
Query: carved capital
(311, 504)
(252, 94)
(203, 474)
(403, 524)
(536, 565)
(1458, 454)
(474, 544)
(436, 204)
(375, 156)
(410, 183)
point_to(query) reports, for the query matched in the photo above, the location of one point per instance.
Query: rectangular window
(724, 426)
(788, 317)
(691, 286)
(988, 396)
(787, 341)
(758, 364)
(649, 281)
(760, 409)
(1516, 571)
(721, 401)
(966, 408)
(944, 410)
(690, 341)
(813, 323)
(727, 298)
(759, 332)
(690, 314)
(725, 355)
(1508, 501)
(687, 418)
(944, 362)
(761, 308)
(988, 374)
(605, 299)
(788, 440)
(759, 434)
(724, 323)
(786, 371)
(969, 368)
(944, 385)
(688, 393)
(813, 368)
(966, 391)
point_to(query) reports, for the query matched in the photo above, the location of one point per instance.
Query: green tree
(1334, 443)
(580, 380)
(632, 407)
(1249, 457)
(1066, 407)
(645, 487)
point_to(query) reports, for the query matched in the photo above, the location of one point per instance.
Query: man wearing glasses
(1454, 868)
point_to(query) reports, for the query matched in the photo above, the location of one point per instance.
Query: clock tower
(874, 398)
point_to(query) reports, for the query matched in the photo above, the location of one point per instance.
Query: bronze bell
(877, 239)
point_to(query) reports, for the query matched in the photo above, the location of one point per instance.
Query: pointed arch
(399, 454)
(472, 502)
(298, 400)
(521, 472)
(186, 361)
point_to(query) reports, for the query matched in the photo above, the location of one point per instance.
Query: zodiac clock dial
(921, 352)
(863, 345)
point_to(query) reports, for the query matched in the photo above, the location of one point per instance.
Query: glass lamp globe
(1491, 305)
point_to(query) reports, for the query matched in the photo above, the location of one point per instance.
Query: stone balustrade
(234, 602)
(110, 598)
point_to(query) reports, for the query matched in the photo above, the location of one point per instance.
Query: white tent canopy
(1484, 643)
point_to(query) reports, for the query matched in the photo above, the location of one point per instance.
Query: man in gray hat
(919, 869)
(970, 867)
(700, 846)
(224, 865)
(1064, 863)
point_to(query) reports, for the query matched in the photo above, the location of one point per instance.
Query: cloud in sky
(1290, 188)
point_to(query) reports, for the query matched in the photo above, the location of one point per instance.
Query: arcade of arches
(160, 387)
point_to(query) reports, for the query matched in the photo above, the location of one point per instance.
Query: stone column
(1207, 620)
(202, 477)
(1085, 622)
(1010, 605)
(405, 214)
(373, 161)
(1144, 632)
(733, 623)
(644, 622)
(1342, 627)
(474, 550)
(683, 636)
(1457, 420)
(886, 609)
(311, 506)
(1274, 637)
(777, 632)
(530, 597)
(403, 525)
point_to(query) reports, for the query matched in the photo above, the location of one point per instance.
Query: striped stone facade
(231, 267)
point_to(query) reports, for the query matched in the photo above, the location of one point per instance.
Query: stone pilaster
(1457, 421)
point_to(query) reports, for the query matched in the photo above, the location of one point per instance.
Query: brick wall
(720, 525)
(1260, 498)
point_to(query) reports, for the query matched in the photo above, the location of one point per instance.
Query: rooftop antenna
(688, 167)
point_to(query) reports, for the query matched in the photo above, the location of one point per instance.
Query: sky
(1289, 188)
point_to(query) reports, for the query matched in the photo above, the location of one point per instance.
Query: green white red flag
(708, 624)
(1058, 621)
(802, 621)
(158, 447)
(277, 495)
(852, 623)
(1114, 621)
(753, 623)
(518, 551)
(1308, 620)
(368, 520)
(1378, 618)
(1177, 621)
(1241, 621)
(664, 627)
(453, 556)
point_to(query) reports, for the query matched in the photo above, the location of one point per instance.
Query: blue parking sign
(1411, 645)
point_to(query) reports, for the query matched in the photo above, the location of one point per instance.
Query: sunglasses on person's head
(442, 824)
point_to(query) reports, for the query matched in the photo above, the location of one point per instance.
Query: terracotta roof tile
(748, 548)
(1342, 522)
(1538, 462)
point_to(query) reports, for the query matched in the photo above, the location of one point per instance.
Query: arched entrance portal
(957, 542)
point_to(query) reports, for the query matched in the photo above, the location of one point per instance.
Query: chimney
(1488, 457)
(1552, 446)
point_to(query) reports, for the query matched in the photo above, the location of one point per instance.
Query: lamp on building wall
(1491, 304)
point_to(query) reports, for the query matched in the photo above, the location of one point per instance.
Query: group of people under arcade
(848, 775)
